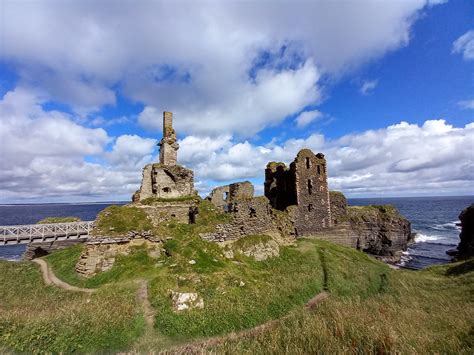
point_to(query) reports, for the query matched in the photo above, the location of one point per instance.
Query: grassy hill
(371, 308)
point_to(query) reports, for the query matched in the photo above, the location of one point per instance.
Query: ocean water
(434, 220)
(31, 214)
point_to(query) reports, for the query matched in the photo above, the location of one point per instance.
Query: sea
(433, 219)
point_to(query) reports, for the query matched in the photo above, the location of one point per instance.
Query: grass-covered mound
(49, 220)
(118, 220)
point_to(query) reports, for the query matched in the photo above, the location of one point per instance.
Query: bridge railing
(31, 232)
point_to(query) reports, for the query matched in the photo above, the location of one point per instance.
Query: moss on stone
(189, 198)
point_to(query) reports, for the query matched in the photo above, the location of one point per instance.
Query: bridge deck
(31, 233)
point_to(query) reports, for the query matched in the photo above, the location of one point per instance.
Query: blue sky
(385, 90)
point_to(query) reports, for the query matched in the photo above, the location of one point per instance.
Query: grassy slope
(372, 308)
(35, 318)
(419, 312)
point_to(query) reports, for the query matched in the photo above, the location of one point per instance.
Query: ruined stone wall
(39, 249)
(183, 212)
(164, 181)
(219, 196)
(100, 255)
(338, 205)
(279, 186)
(249, 216)
(222, 196)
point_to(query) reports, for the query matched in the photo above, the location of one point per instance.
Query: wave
(454, 225)
(433, 239)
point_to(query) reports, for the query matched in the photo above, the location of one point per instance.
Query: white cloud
(131, 151)
(306, 117)
(201, 60)
(368, 87)
(465, 45)
(46, 156)
(466, 104)
(433, 158)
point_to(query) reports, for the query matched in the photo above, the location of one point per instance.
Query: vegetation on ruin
(49, 220)
(189, 198)
(118, 220)
(370, 212)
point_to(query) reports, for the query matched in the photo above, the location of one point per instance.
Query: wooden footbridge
(41, 233)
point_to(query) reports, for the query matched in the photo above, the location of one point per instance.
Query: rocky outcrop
(466, 245)
(377, 230)
(381, 230)
(183, 301)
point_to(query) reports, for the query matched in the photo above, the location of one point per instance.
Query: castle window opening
(319, 170)
(253, 212)
(310, 207)
(166, 189)
(225, 195)
(308, 163)
(310, 187)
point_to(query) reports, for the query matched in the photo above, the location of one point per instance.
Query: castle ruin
(166, 180)
(304, 185)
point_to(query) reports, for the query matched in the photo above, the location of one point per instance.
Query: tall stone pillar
(168, 144)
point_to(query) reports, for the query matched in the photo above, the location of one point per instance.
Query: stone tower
(304, 186)
(168, 144)
(166, 180)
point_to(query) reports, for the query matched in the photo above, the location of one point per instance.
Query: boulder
(186, 300)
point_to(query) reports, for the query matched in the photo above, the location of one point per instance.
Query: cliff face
(381, 230)
(466, 245)
(378, 230)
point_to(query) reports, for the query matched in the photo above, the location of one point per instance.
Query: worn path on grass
(199, 346)
(51, 279)
(148, 312)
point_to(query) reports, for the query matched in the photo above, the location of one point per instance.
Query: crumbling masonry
(304, 185)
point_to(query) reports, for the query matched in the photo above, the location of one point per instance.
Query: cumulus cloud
(368, 87)
(46, 155)
(465, 45)
(306, 117)
(222, 67)
(434, 158)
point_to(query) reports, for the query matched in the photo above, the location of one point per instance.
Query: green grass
(118, 220)
(371, 309)
(152, 200)
(39, 319)
(59, 220)
(429, 311)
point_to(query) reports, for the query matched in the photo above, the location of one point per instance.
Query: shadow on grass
(461, 268)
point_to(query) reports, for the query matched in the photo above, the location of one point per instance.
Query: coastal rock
(381, 230)
(466, 245)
